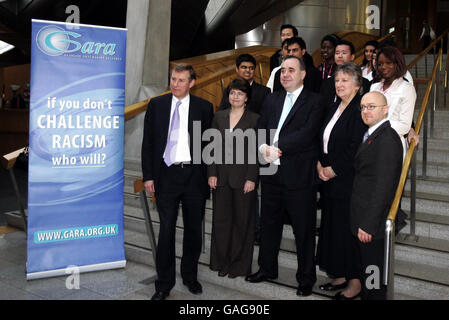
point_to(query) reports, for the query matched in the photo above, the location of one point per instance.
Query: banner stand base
(72, 269)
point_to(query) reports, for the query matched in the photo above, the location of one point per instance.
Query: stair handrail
(388, 274)
(139, 107)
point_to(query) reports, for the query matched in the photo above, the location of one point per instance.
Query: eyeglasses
(370, 107)
(252, 68)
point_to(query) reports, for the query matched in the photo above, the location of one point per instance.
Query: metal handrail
(388, 274)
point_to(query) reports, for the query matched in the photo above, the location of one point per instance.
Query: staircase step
(438, 186)
(419, 289)
(424, 243)
(421, 272)
(434, 169)
(282, 288)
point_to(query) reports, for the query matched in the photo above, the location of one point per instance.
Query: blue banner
(75, 187)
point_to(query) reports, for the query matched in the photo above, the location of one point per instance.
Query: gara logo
(55, 41)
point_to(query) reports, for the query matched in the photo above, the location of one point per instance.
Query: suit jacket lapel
(280, 106)
(166, 112)
(298, 103)
(192, 115)
(243, 122)
(371, 137)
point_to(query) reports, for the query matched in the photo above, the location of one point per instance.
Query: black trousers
(372, 263)
(300, 205)
(177, 185)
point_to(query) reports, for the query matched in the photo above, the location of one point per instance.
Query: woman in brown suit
(233, 178)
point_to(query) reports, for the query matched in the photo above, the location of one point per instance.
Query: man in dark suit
(344, 52)
(174, 173)
(378, 164)
(295, 115)
(287, 31)
(245, 66)
(296, 46)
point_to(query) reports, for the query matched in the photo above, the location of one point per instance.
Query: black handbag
(22, 160)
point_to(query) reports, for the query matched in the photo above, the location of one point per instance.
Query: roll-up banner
(75, 187)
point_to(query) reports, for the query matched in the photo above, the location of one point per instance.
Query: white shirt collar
(296, 93)
(184, 101)
(377, 125)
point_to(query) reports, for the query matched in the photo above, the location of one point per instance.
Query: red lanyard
(324, 69)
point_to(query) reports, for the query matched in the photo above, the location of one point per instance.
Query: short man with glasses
(378, 165)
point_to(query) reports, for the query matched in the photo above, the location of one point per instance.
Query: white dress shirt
(270, 83)
(182, 147)
(296, 94)
(328, 130)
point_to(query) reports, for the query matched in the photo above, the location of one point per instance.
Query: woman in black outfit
(341, 136)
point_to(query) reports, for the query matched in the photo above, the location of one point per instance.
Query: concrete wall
(147, 61)
(313, 19)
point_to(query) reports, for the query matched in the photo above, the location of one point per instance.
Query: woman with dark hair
(400, 93)
(328, 44)
(341, 136)
(367, 65)
(233, 182)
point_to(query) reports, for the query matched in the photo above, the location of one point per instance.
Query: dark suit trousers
(372, 254)
(177, 186)
(233, 227)
(300, 205)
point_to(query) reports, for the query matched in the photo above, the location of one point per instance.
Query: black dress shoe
(194, 286)
(331, 287)
(257, 277)
(341, 296)
(160, 295)
(304, 291)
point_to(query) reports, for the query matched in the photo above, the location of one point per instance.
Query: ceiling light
(4, 47)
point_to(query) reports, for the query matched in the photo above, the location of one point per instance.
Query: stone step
(434, 169)
(419, 289)
(286, 283)
(211, 291)
(430, 186)
(436, 144)
(283, 288)
(435, 155)
(425, 248)
(428, 206)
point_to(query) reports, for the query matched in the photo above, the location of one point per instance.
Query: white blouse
(329, 127)
(401, 98)
(366, 74)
